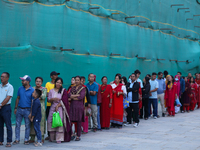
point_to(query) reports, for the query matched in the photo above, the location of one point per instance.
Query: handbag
(56, 120)
(125, 103)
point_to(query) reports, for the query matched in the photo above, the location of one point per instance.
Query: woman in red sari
(194, 91)
(106, 97)
(170, 96)
(197, 80)
(116, 113)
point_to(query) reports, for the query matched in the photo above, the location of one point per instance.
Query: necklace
(103, 90)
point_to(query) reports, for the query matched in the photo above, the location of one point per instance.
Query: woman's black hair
(78, 77)
(191, 81)
(169, 82)
(147, 79)
(39, 78)
(58, 78)
(125, 80)
(119, 76)
(103, 77)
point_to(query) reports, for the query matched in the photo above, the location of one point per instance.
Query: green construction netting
(32, 33)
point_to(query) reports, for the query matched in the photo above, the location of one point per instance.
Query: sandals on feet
(77, 138)
(26, 142)
(8, 145)
(1, 143)
(15, 142)
(37, 144)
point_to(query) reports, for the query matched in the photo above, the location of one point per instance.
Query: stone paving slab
(181, 132)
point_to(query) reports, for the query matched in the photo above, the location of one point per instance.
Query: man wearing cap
(6, 91)
(23, 108)
(49, 86)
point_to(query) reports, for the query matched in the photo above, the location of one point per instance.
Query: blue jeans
(98, 118)
(22, 113)
(154, 102)
(5, 117)
(36, 125)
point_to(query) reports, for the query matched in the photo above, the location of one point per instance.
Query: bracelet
(15, 107)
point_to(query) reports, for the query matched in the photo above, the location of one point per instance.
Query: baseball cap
(26, 77)
(54, 73)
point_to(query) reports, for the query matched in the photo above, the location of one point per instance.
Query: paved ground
(181, 132)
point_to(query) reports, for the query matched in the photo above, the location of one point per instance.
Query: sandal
(26, 142)
(58, 142)
(8, 145)
(15, 142)
(1, 143)
(73, 137)
(84, 132)
(77, 138)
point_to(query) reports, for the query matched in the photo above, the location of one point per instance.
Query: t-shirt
(93, 87)
(154, 85)
(6, 90)
(49, 86)
(25, 97)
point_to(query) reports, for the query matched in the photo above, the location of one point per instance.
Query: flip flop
(8, 145)
(77, 139)
(26, 142)
(15, 142)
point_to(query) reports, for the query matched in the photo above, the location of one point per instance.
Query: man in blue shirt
(182, 89)
(93, 89)
(6, 92)
(23, 108)
(161, 91)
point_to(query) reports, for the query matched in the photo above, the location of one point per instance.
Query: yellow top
(49, 86)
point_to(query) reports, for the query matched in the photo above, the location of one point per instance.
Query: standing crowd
(92, 106)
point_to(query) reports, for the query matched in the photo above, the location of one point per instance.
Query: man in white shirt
(6, 92)
(153, 95)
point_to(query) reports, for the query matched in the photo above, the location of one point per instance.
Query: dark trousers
(47, 115)
(135, 113)
(154, 102)
(181, 101)
(37, 131)
(5, 117)
(145, 103)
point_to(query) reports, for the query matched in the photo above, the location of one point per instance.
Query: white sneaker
(126, 124)
(155, 117)
(136, 125)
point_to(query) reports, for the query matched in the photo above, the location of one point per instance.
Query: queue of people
(92, 105)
